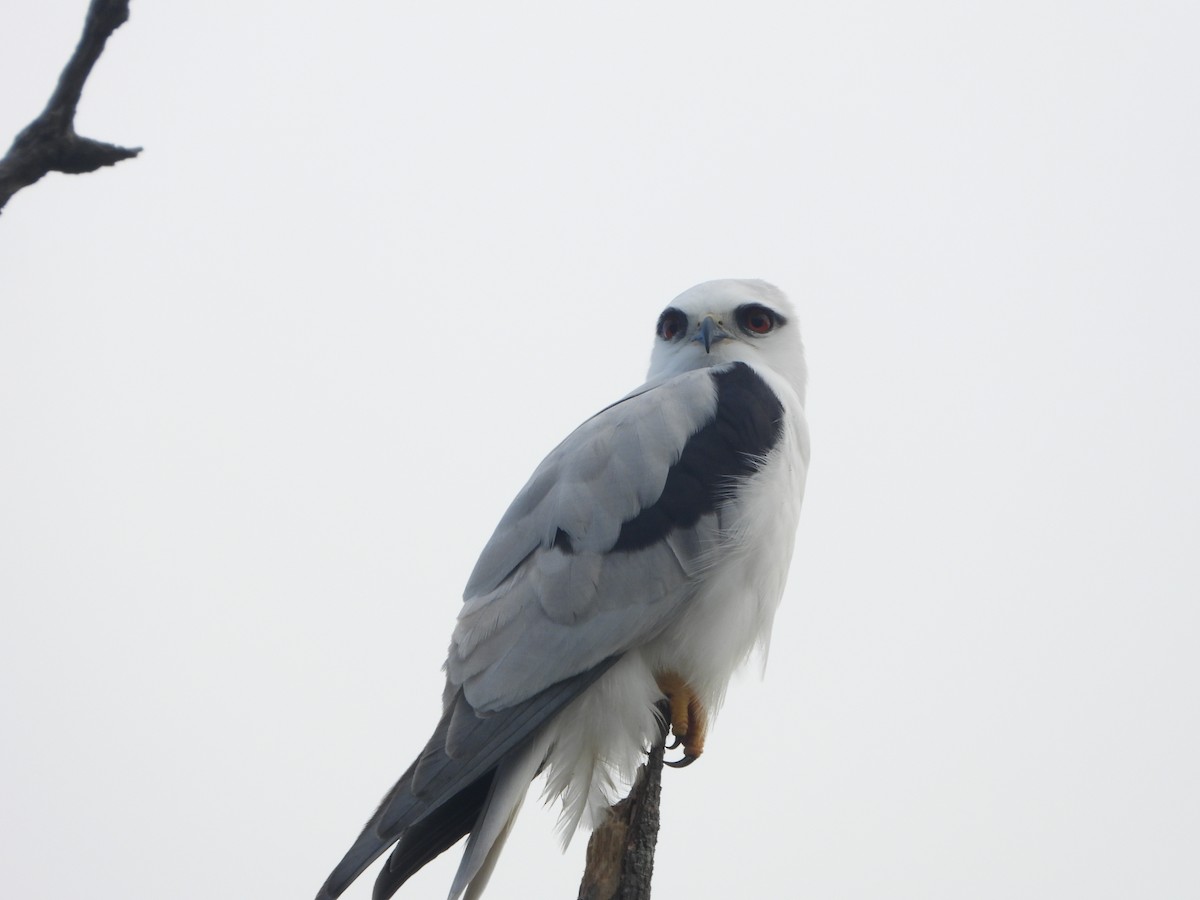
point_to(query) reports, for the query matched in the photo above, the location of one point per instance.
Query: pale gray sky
(265, 391)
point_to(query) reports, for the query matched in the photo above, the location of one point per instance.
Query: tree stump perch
(620, 853)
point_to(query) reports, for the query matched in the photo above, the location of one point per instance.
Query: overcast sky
(266, 389)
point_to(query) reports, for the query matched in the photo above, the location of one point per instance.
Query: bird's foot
(689, 721)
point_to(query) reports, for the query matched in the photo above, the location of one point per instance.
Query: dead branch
(620, 854)
(49, 143)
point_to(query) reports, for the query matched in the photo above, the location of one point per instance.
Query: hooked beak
(709, 333)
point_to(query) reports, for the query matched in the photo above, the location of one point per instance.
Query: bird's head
(731, 320)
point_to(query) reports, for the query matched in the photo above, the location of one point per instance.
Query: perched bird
(644, 559)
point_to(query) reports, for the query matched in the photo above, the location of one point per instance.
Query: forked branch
(49, 143)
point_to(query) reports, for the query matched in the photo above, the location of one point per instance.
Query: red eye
(671, 324)
(755, 319)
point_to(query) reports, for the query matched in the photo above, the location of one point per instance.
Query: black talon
(682, 763)
(675, 743)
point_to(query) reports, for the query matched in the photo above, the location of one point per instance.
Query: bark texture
(620, 854)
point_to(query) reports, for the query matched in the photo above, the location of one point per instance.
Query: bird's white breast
(734, 607)
(597, 743)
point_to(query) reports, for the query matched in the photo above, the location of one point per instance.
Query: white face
(726, 321)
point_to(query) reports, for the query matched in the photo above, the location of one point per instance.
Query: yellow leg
(689, 720)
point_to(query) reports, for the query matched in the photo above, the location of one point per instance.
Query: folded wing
(595, 556)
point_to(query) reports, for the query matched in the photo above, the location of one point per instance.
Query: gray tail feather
(432, 836)
(449, 789)
(416, 844)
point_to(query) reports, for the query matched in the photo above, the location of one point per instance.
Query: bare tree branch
(49, 143)
(620, 854)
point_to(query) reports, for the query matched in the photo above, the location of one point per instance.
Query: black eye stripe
(672, 324)
(750, 318)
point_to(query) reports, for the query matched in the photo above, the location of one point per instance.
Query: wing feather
(601, 549)
(596, 555)
(607, 469)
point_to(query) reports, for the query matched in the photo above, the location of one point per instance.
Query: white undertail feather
(598, 743)
(480, 881)
(509, 788)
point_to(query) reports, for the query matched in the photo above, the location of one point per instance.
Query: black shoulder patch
(748, 422)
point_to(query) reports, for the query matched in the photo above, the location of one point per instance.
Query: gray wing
(594, 556)
(600, 549)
